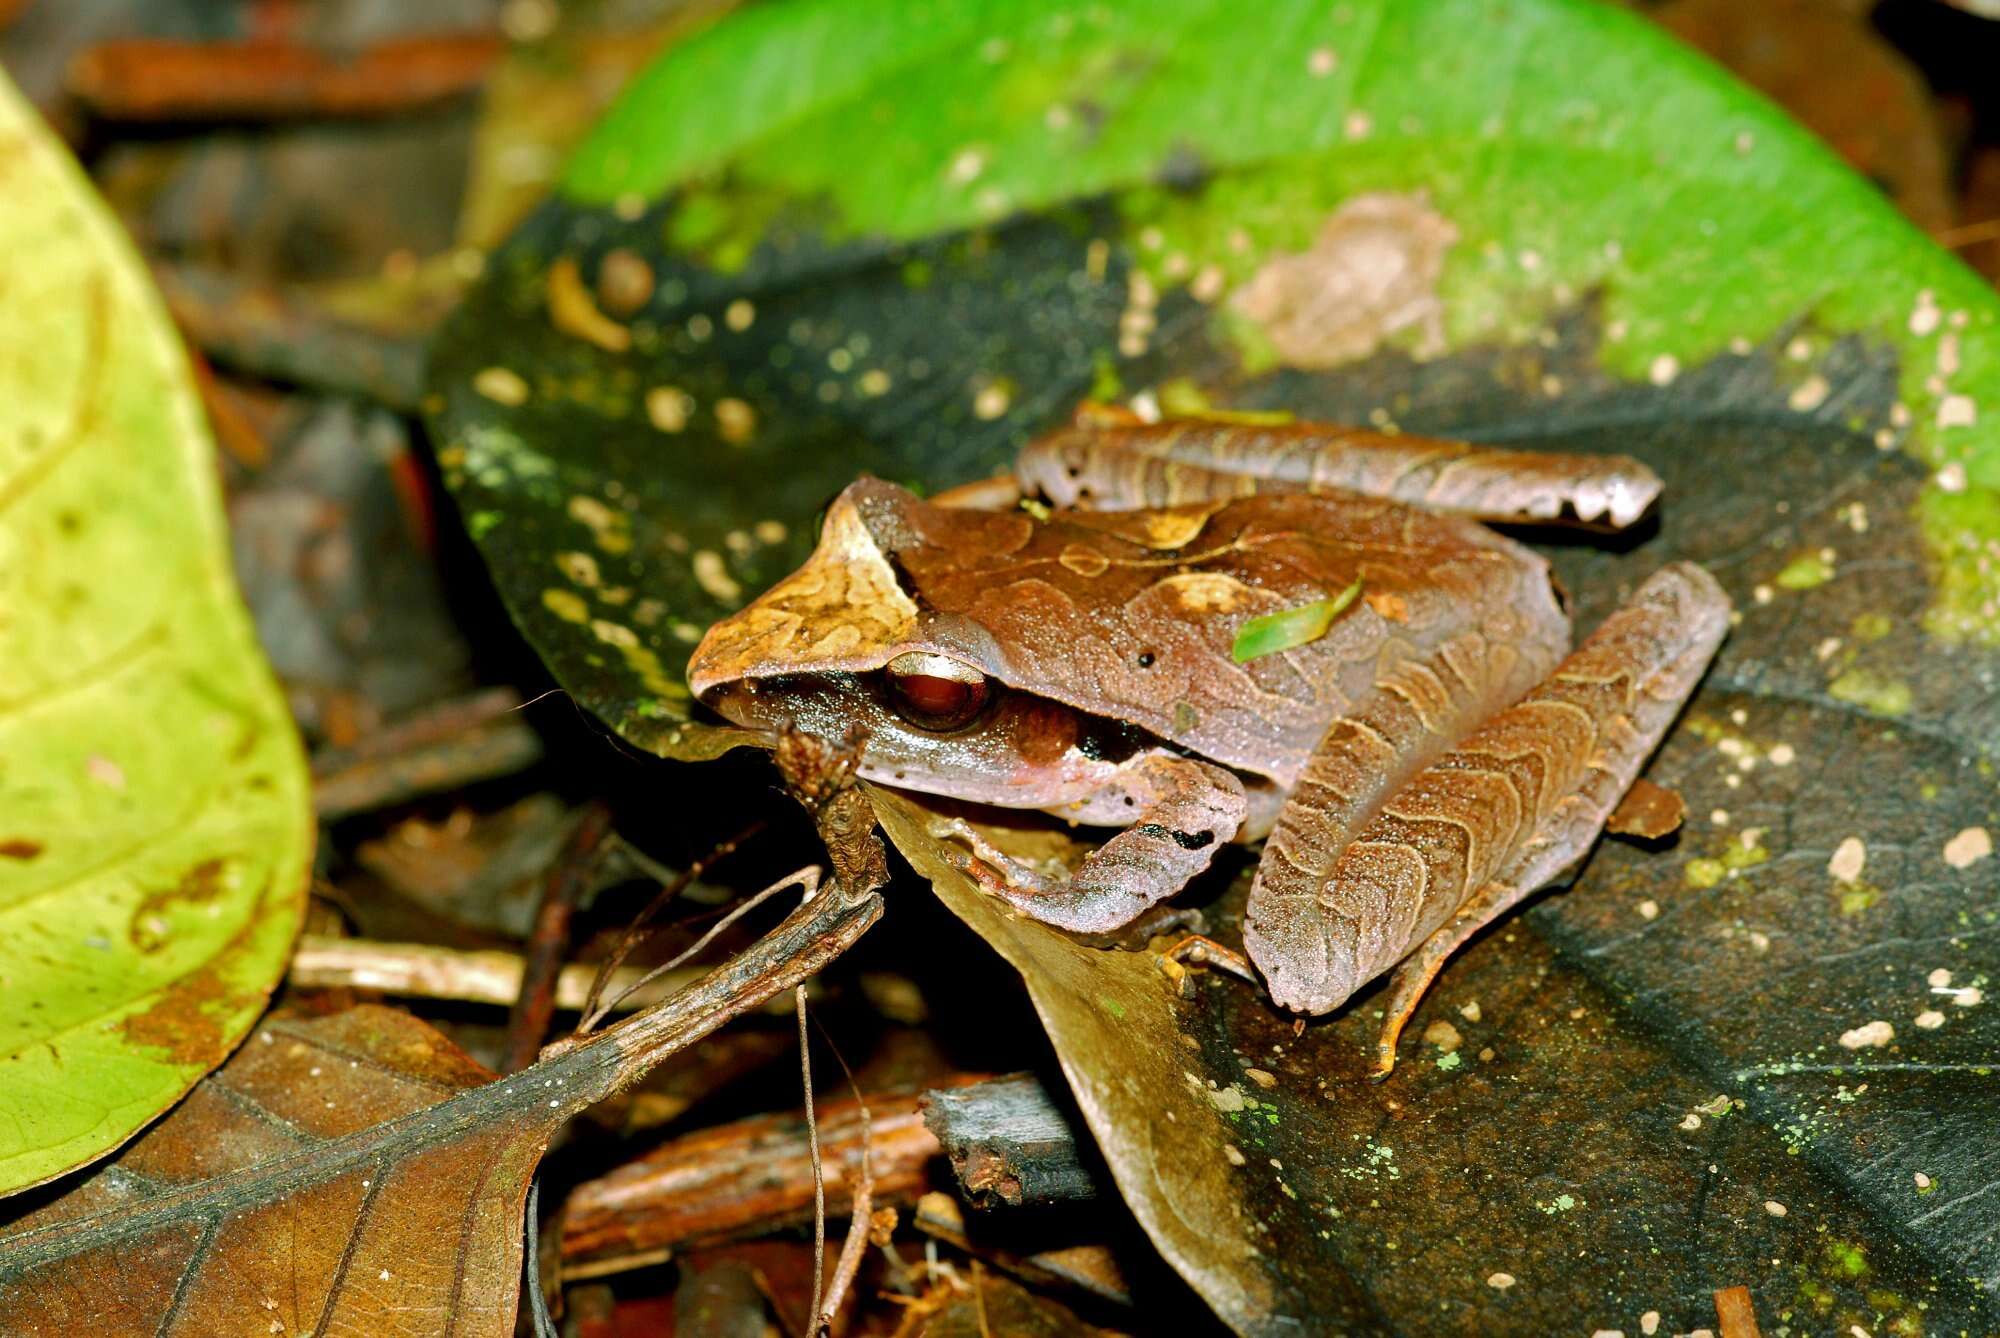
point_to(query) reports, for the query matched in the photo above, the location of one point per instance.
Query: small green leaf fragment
(1269, 633)
(1804, 573)
(1704, 872)
(1872, 692)
(1449, 1062)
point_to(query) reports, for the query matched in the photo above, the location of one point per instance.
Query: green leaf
(1269, 633)
(155, 826)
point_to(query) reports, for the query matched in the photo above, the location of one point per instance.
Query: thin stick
(856, 1243)
(153, 80)
(819, 1171)
(979, 1299)
(487, 976)
(460, 741)
(1969, 234)
(671, 887)
(562, 887)
(808, 878)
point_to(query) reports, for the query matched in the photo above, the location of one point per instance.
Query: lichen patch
(1370, 274)
(1868, 1035)
(1849, 858)
(1968, 848)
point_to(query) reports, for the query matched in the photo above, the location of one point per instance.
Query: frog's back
(1135, 614)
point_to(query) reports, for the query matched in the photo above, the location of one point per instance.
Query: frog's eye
(936, 691)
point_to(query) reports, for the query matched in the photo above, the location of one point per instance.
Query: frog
(1071, 637)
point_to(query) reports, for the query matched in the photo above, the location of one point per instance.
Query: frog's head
(850, 640)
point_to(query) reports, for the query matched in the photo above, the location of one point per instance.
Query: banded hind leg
(1511, 807)
(1109, 459)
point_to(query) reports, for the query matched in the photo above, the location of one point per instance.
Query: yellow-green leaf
(1269, 633)
(155, 826)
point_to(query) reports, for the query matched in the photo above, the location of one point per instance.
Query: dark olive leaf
(908, 249)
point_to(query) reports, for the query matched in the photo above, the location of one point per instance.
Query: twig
(851, 1249)
(807, 877)
(234, 432)
(285, 335)
(425, 971)
(450, 745)
(1968, 234)
(979, 1298)
(562, 887)
(671, 886)
(155, 80)
(819, 1171)
(748, 1177)
(1009, 1143)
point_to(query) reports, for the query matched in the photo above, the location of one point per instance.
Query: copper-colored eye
(933, 692)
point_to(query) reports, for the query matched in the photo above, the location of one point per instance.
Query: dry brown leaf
(354, 1174)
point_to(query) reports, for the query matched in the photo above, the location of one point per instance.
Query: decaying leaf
(352, 1175)
(154, 824)
(1647, 811)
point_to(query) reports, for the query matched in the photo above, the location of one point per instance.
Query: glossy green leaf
(155, 828)
(1269, 633)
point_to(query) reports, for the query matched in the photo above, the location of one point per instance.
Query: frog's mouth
(1017, 751)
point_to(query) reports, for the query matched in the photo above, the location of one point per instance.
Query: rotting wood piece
(1736, 1313)
(147, 79)
(455, 743)
(741, 1179)
(1008, 1143)
(287, 335)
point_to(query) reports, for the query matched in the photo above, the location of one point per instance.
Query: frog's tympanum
(1433, 756)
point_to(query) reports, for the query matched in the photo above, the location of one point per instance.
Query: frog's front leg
(1184, 811)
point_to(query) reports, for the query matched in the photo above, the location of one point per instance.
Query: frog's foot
(1413, 978)
(996, 872)
(1201, 950)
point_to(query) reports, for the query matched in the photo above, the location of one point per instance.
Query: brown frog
(1415, 769)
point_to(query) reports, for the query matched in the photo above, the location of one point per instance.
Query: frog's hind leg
(1520, 800)
(1115, 461)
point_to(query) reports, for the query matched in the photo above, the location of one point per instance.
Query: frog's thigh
(1421, 706)
(1186, 811)
(1120, 463)
(1519, 801)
